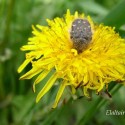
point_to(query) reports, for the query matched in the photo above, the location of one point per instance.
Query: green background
(17, 100)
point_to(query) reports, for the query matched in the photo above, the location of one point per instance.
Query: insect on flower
(81, 34)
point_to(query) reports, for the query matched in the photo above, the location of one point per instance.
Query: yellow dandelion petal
(85, 78)
(28, 47)
(73, 89)
(85, 91)
(76, 15)
(40, 78)
(46, 88)
(82, 54)
(24, 64)
(31, 73)
(74, 51)
(59, 94)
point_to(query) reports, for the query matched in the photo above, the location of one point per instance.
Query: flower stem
(97, 105)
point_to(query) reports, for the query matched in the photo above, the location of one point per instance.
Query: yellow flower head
(84, 56)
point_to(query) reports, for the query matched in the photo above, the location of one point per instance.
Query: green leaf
(93, 7)
(116, 17)
(23, 106)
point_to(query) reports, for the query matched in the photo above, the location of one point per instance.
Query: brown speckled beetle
(80, 34)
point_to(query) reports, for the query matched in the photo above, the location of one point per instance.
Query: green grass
(17, 100)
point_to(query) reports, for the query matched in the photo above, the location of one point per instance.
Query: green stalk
(1, 82)
(2, 7)
(7, 25)
(90, 113)
(3, 45)
(96, 106)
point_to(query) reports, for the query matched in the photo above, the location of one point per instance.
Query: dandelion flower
(81, 54)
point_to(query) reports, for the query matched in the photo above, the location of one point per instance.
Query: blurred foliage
(17, 101)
